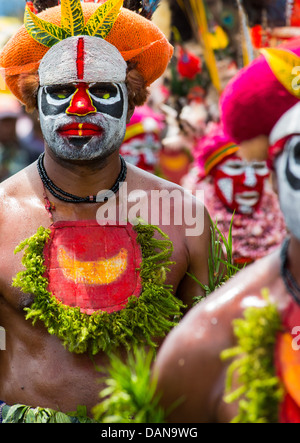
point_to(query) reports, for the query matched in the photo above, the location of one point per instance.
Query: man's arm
(198, 242)
(189, 369)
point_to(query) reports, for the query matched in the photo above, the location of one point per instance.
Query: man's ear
(130, 113)
(29, 86)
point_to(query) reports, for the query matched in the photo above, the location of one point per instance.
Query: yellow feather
(285, 66)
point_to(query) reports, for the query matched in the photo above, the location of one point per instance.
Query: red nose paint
(81, 103)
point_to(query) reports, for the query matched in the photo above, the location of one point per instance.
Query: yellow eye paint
(106, 96)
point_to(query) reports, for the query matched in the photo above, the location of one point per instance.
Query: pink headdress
(260, 94)
(144, 120)
(213, 149)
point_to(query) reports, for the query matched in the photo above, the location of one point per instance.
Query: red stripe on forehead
(80, 59)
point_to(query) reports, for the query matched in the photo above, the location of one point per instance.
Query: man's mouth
(247, 198)
(80, 130)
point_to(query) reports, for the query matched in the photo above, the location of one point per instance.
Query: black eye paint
(54, 100)
(60, 93)
(114, 109)
(52, 108)
(293, 163)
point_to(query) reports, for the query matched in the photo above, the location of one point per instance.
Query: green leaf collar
(153, 314)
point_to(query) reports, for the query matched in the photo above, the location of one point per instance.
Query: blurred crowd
(20, 137)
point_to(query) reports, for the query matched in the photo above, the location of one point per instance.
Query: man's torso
(35, 369)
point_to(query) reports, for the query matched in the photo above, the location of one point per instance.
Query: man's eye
(234, 165)
(297, 152)
(101, 94)
(259, 165)
(60, 94)
(294, 148)
(104, 92)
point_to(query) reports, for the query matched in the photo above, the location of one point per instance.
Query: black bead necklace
(289, 281)
(70, 198)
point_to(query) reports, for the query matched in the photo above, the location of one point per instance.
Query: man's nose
(81, 102)
(250, 177)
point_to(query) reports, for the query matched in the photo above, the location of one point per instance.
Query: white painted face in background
(287, 167)
(240, 184)
(82, 99)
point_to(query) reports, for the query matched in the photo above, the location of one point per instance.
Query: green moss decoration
(151, 315)
(130, 392)
(25, 414)
(260, 391)
(220, 268)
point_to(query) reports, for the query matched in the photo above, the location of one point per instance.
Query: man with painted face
(237, 196)
(86, 285)
(235, 356)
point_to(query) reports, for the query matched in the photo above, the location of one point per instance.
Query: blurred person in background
(235, 356)
(13, 157)
(238, 196)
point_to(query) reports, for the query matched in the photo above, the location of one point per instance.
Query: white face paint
(72, 136)
(287, 167)
(240, 185)
(82, 59)
(83, 99)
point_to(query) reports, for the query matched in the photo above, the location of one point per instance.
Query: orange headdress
(135, 37)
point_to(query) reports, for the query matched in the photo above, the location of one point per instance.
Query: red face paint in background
(239, 184)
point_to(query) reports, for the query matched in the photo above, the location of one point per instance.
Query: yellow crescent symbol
(102, 272)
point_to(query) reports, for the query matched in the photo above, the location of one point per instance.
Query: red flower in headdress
(188, 64)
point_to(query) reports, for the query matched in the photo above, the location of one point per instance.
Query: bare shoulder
(189, 209)
(188, 364)
(17, 184)
(245, 289)
(139, 177)
(218, 310)
(18, 195)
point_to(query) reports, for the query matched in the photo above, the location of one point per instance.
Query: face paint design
(288, 175)
(85, 117)
(239, 185)
(83, 121)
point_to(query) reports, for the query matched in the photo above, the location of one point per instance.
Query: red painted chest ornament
(93, 267)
